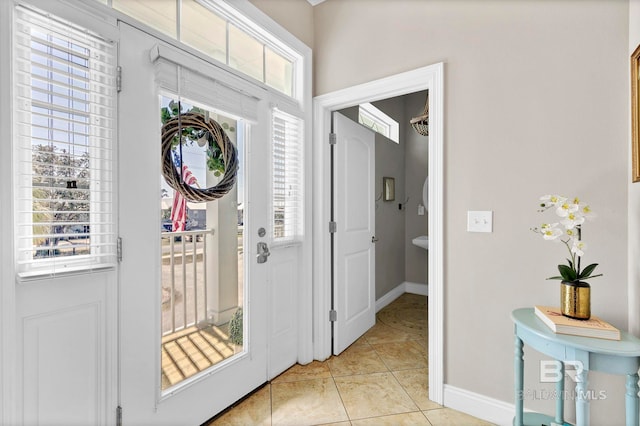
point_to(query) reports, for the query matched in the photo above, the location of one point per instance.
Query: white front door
(353, 246)
(145, 395)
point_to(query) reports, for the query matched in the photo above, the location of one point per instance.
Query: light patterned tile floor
(380, 380)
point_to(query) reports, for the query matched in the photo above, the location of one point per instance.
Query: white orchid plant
(568, 230)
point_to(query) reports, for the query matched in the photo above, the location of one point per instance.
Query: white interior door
(196, 399)
(353, 246)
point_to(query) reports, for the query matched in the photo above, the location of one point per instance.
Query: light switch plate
(479, 221)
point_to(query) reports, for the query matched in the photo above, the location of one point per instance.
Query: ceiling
(315, 2)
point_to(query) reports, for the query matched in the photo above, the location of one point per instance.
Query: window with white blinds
(65, 97)
(287, 178)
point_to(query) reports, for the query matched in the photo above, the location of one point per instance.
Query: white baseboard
(480, 406)
(416, 288)
(405, 287)
(390, 296)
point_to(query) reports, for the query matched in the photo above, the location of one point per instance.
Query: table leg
(560, 396)
(631, 400)
(582, 397)
(518, 367)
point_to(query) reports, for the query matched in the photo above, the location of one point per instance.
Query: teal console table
(608, 356)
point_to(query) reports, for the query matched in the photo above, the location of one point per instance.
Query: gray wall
(390, 220)
(416, 167)
(536, 101)
(397, 258)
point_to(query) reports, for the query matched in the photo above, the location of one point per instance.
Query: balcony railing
(184, 278)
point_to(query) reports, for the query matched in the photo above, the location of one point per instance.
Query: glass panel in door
(202, 266)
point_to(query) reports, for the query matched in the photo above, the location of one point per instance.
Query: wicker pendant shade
(421, 123)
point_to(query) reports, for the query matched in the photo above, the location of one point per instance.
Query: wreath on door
(221, 151)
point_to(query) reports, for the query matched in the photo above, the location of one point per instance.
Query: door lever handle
(263, 252)
(374, 239)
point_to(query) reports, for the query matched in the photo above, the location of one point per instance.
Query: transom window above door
(218, 31)
(378, 121)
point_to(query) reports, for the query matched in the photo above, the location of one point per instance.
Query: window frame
(380, 118)
(296, 153)
(102, 254)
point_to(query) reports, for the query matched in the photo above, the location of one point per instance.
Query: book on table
(593, 327)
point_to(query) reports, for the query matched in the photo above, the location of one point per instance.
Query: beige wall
(296, 16)
(536, 101)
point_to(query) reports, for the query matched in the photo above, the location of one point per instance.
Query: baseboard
(480, 406)
(416, 288)
(399, 290)
(390, 296)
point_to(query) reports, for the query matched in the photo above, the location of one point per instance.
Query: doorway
(427, 78)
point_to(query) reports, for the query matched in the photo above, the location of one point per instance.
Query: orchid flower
(573, 213)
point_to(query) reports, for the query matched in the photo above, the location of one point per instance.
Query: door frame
(432, 78)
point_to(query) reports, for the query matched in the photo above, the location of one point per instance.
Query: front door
(353, 241)
(192, 330)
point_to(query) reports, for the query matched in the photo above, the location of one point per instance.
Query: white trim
(480, 406)
(374, 114)
(392, 295)
(303, 83)
(8, 373)
(416, 288)
(430, 77)
(399, 290)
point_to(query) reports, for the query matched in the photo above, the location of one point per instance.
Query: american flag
(179, 208)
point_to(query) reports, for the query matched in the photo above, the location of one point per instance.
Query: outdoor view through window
(202, 255)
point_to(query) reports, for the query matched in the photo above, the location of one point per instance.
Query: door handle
(263, 252)
(374, 239)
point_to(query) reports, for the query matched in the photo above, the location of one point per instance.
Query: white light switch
(479, 221)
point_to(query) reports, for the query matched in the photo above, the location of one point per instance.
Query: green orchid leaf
(555, 278)
(587, 271)
(569, 274)
(570, 263)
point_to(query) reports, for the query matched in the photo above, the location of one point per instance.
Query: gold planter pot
(575, 300)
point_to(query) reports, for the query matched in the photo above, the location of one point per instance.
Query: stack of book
(593, 327)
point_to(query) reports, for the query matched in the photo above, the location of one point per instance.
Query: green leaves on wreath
(190, 135)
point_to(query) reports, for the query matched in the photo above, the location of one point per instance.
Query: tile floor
(382, 379)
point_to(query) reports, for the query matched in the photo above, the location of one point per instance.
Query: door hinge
(333, 227)
(119, 249)
(118, 78)
(332, 138)
(119, 416)
(333, 315)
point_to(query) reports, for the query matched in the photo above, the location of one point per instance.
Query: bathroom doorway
(427, 78)
(401, 168)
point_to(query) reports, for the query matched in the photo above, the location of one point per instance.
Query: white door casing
(432, 78)
(353, 246)
(197, 399)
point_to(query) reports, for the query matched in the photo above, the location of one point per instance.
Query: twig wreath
(214, 135)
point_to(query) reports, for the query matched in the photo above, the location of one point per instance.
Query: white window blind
(65, 101)
(287, 178)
